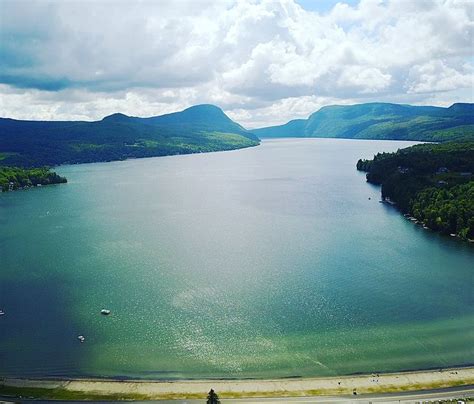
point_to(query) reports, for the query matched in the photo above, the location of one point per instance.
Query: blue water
(264, 262)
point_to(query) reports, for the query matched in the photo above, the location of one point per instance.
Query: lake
(271, 261)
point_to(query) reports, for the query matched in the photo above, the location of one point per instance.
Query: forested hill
(434, 183)
(201, 128)
(382, 121)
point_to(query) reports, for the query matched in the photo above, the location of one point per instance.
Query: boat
(105, 312)
(2, 313)
(81, 338)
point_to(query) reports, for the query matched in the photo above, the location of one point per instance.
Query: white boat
(105, 312)
(81, 338)
(2, 313)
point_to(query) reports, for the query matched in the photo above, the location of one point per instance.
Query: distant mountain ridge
(201, 128)
(381, 121)
(203, 115)
(205, 128)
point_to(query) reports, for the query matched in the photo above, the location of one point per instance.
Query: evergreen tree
(212, 398)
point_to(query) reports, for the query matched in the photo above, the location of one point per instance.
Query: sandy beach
(139, 389)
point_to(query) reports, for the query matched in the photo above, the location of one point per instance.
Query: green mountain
(294, 128)
(201, 128)
(381, 121)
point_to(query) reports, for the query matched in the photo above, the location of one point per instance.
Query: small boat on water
(81, 338)
(2, 313)
(105, 312)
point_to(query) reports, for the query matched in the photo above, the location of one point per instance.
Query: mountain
(294, 128)
(381, 121)
(200, 128)
(204, 128)
(204, 114)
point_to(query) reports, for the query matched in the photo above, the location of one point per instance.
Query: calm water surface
(264, 262)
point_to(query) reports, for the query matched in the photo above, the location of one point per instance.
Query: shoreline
(96, 389)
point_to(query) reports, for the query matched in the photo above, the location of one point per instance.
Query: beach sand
(140, 389)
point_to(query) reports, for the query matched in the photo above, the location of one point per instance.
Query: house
(403, 170)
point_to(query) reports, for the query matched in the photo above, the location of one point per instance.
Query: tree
(212, 398)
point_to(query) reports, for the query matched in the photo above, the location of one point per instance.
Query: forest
(382, 121)
(12, 178)
(434, 183)
(199, 129)
(32, 144)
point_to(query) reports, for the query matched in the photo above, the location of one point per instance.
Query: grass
(63, 393)
(78, 147)
(4, 155)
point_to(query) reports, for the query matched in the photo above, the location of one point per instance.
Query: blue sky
(323, 6)
(264, 62)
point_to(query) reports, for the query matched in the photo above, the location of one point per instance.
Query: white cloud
(262, 61)
(284, 110)
(365, 80)
(436, 76)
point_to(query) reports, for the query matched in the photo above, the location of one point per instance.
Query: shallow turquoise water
(263, 262)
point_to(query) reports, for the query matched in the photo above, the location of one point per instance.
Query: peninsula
(433, 184)
(13, 178)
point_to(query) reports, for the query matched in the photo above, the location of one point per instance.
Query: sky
(263, 62)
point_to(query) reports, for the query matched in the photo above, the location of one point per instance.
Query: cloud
(436, 76)
(286, 109)
(259, 60)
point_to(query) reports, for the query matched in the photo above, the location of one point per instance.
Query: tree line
(432, 182)
(12, 178)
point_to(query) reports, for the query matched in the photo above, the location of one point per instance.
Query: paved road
(409, 397)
